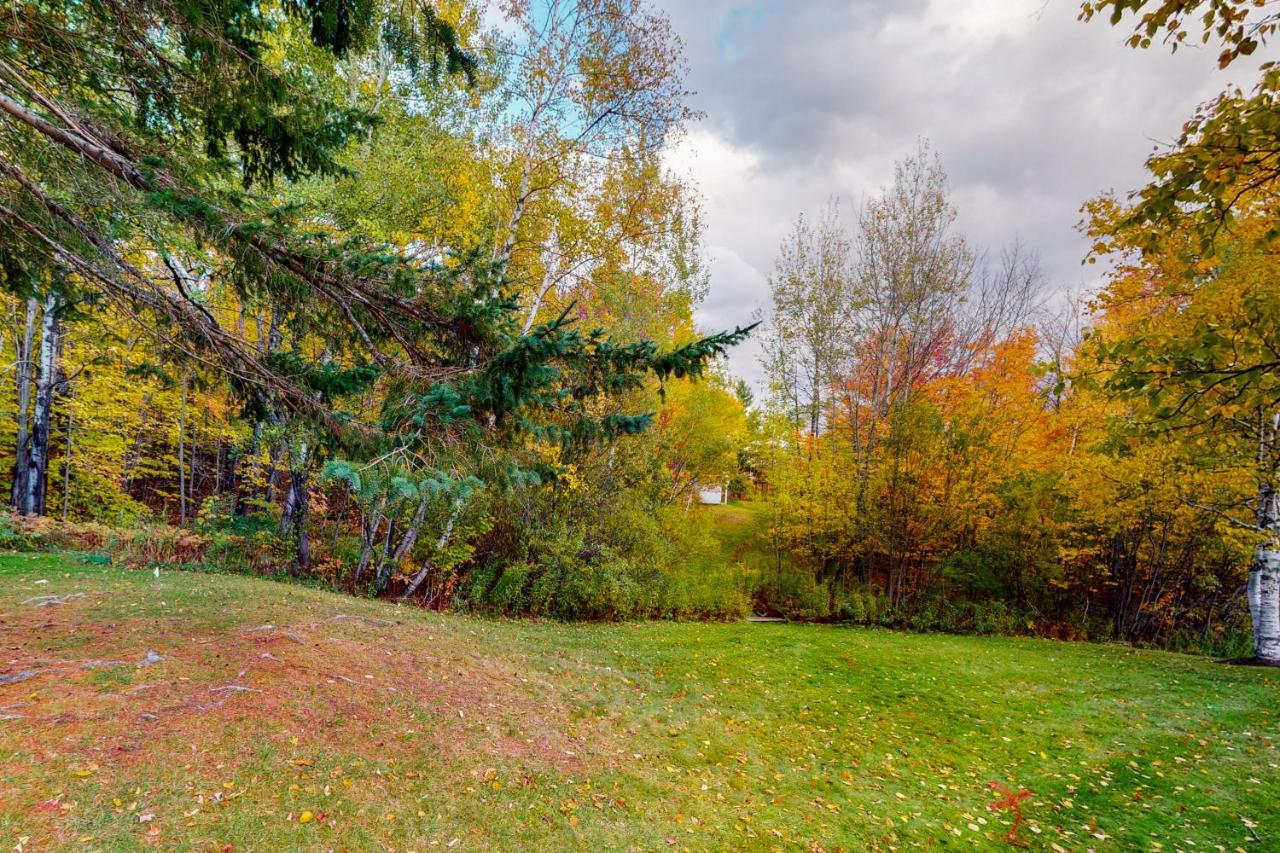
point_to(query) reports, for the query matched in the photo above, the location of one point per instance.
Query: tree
(1195, 342)
(702, 427)
(589, 81)
(1225, 162)
(141, 120)
(1207, 225)
(24, 337)
(915, 272)
(165, 143)
(879, 334)
(812, 324)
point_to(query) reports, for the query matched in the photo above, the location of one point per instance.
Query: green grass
(739, 537)
(406, 730)
(740, 529)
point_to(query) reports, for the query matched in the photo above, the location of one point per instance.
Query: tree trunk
(1264, 601)
(1264, 574)
(550, 265)
(46, 385)
(22, 458)
(410, 537)
(503, 253)
(182, 453)
(445, 536)
(66, 467)
(369, 525)
(382, 576)
(294, 517)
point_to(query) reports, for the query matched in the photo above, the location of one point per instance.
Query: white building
(716, 494)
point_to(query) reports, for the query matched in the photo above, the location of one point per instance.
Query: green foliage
(795, 594)
(564, 584)
(1224, 163)
(11, 537)
(544, 383)
(628, 563)
(188, 168)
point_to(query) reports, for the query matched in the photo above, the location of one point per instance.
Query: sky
(1032, 112)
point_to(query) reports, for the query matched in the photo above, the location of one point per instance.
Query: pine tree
(142, 155)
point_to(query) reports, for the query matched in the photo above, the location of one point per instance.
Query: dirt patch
(353, 686)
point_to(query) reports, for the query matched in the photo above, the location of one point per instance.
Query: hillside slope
(273, 717)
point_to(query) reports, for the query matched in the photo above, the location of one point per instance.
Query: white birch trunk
(22, 458)
(503, 253)
(42, 421)
(1264, 579)
(1264, 574)
(410, 537)
(445, 536)
(1264, 602)
(550, 259)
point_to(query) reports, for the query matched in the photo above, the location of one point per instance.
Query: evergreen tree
(139, 152)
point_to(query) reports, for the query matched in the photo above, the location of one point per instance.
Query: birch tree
(24, 369)
(38, 384)
(588, 85)
(1193, 339)
(1226, 154)
(812, 326)
(915, 270)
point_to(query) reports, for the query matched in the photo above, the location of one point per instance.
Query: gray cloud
(1032, 111)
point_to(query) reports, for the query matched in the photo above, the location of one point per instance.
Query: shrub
(150, 544)
(602, 589)
(507, 593)
(11, 537)
(852, 608)
(997, 617)
(795, 594)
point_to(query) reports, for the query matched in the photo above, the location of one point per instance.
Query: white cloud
(1032, 111)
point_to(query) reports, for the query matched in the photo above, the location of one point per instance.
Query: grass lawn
(740, 529)
(286, 718)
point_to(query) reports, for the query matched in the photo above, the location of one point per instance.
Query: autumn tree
(1225, 162)
(585, 85)
(702, 427)
(812, 322)
(1197, 347)
(1213, 194)
(870, 323)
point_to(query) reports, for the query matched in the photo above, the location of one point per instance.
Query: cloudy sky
(1032, 112)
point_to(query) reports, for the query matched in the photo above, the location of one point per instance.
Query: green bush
(689, 596)
(997, 617)
(851, 607)
(693, 578)
(603, 589)
(578, 562)
(507, 593)
(11, 538)
(795, 594)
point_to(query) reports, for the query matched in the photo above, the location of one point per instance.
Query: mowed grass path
(283, 718)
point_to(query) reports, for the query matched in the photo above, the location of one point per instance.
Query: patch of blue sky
(743, 25)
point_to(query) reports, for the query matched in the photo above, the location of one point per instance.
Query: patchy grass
(284, 718)
(740, 531)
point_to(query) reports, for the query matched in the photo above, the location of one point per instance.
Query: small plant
(1011, 802)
